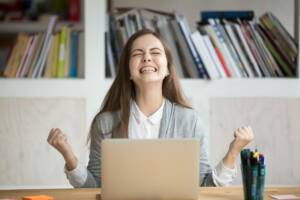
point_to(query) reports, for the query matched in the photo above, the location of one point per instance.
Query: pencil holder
(253, 174)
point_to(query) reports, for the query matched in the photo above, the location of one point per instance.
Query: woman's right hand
(59, 141)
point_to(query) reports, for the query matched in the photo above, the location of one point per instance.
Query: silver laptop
(150, 169)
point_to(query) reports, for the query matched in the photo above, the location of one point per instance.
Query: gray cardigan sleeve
(94, 166)
(206, 176)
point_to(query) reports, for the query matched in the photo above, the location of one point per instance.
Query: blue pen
(246, 173)
(254, 175)
(261, 178)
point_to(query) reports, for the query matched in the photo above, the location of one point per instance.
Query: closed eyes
(140, 53)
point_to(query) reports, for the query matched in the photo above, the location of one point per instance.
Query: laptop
(150, 169)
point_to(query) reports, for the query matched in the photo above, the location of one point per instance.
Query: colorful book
(62, 52)
(73, 54)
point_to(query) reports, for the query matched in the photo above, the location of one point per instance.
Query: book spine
(184, 29)
(248, 51)
(24, 57)
(73, 48)
(214, 56)
(240, 67)
(62, 51)
(239, 50)
(205, 56)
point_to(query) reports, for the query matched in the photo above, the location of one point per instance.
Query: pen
(245, 155)
(254, 174)
(261, 178)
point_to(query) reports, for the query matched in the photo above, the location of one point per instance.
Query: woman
(145, 101)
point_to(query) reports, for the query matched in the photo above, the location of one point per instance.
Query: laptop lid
(150, 169)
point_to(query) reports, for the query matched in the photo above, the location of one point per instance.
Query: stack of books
(51, 54)
(227, 44)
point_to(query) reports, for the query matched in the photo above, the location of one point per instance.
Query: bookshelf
(92, 23)
(192, 9)
(42, 39)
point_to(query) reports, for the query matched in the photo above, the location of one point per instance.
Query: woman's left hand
(242, 137)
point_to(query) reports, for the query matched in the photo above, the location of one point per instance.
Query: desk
(207, 193)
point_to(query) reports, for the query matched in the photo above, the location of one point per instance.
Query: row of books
(46, 54)
(220, 48)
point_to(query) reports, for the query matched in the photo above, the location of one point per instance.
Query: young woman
(145, 101)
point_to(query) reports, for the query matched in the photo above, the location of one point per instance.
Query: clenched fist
(59, 141)
(242, 137)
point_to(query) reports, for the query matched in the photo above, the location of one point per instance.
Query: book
(270, 22)
(30, 56)
(25, 56)
(7, 42)
(188, 65)
(183, 25)
(73, 54)
(222, 61)
(268, 57)
(40, 64)
(284, 50)
(4, 52)
(257, 51)
(228, 15)
(74, 10)
(36, 54)
(50, 60)
(62, 52)
(67, 52)
(249, 55)
(286, 70)
(211, 49)
(240, 67)
(16, 55)
(205, 55)
(80, 53)
(220, 44)
(239, 50)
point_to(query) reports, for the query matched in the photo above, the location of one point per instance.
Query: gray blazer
(177, 122)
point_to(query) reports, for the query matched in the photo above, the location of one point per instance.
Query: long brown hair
(122, 89)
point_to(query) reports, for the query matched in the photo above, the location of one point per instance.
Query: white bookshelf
(94, 86)
(288, 13)
(90, 87)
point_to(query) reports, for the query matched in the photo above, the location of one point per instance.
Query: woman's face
(148, 62)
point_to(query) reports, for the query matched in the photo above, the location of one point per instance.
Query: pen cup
(253, 174)
(249, 183)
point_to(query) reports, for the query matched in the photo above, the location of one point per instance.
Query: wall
(275, 122)
(25, 123)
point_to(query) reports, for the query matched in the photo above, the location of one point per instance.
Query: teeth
(147, 69)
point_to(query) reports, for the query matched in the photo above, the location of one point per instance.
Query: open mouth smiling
(147, 69)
